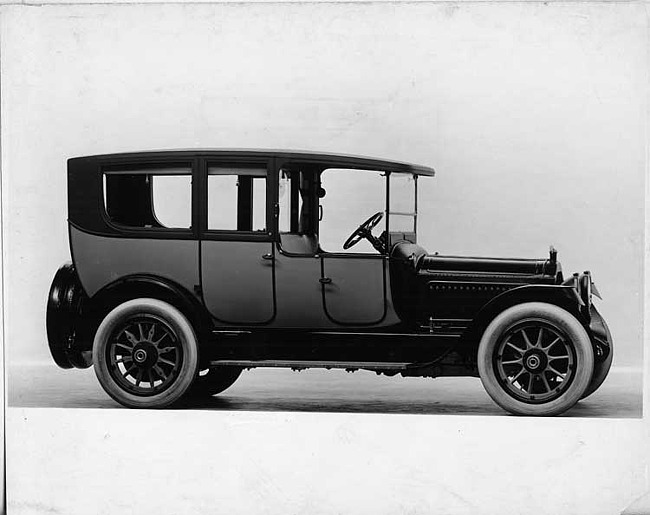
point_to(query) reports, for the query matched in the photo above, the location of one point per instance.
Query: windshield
(403, 202)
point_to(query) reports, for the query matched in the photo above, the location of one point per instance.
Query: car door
(354, 288)
(236, 251)
(353, 278)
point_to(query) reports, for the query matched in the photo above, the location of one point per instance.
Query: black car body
(256, 288)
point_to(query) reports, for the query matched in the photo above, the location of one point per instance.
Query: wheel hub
(139, 356)
(145, 355)
(535, 361)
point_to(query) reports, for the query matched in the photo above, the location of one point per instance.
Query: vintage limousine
(191, 266)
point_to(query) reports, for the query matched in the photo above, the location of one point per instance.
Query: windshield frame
(390, 213)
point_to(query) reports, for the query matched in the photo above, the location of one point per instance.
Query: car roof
(324, 158)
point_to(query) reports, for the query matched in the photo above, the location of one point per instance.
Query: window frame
(386, 219)
(294, 202)
(279, 165)
(322, 166)
(140, 167)
(414, 214)
(202, 205)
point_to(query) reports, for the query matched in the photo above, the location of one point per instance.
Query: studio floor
(42, 385)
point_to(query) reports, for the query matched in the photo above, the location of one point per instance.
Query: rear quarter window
(149, 198)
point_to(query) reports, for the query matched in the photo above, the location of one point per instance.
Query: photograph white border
(74, 461)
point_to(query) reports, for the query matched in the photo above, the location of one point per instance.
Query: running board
(275, 363)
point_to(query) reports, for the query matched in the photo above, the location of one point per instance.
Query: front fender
(600, 336)
(563, 296)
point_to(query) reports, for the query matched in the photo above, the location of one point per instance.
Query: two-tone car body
(191, 266)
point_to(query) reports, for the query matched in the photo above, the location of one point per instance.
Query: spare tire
(64, 307)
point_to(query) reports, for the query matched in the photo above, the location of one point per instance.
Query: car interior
(298, 215)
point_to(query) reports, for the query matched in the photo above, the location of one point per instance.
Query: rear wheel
(214, 380)
(145, 354)
(535, 359)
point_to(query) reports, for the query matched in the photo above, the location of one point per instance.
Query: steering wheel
(365, 231)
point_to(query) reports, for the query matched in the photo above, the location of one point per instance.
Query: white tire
(145, 354)
(535, 359)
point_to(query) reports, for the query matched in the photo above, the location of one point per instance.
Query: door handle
(268, 257)
(325, 280)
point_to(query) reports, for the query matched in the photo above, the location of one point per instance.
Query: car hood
(487, 265)
(546, 270)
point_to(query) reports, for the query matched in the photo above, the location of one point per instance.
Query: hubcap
(144, 355)
(140, 356)
(534, 361)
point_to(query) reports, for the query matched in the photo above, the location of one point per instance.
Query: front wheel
(146, 354)
(535, 359)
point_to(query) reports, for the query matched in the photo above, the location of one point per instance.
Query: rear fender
(65, 320)
(150, 286)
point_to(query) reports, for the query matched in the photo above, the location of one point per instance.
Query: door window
(237, 198)
(350, 198)
(298, 215)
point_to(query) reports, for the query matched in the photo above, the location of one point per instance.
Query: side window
(149, 197)
(172, 200)
(288, 218)
(237, 198)
(350, 197)
(298, 214)
(294, 190)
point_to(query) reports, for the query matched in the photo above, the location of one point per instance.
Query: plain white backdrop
(533, 114)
